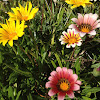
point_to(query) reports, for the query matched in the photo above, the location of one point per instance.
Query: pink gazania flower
(86, 24)
(63, 82)
(71, 38)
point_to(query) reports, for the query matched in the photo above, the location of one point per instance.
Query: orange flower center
(11, 35)
(72, 40)
(63, 85)
(85, 28)
(24, 18)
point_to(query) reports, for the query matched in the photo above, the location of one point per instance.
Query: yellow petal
(4, 42)
(30, 7)
(11, 14)
(10, 43)
(15, 38)
(32, 13)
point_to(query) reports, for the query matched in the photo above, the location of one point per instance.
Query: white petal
(73, 45)
(64, 32)
(92, 32)
(68, 46)
(79, 44)
(62, 42)
(82, 34)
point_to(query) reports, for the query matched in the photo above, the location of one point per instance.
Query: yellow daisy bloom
(11, 31)
(77, 3)
(21, 13)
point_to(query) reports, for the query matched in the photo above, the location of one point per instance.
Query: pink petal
(75, 20)
(92, 32)
(58, 69)
(52, 92)
(82, 34)
(96, 26)
(64, 69)
(96, 23)
(92, 18)
(76, 87)
(70, 94)
(80, 18)
(53, 73)
(75, 77)
(78, 82)
(50, 78)
(73, 26)
(61, 96)
(70, 71)
(86, 18)
(49, 85)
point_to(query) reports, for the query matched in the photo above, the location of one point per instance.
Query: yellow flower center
(11, 35)
(85, 28)
(63, 85)
(72, 40)
(25, 18)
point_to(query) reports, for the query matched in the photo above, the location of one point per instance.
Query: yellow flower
(21, 13)
(11, 31)
(77, 3)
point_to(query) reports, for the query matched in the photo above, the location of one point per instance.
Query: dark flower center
(85, 28)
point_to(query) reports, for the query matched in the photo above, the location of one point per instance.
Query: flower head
(11, 31)
(63, 81)
(77, 3)
(21, 13)
(71, 38)
(86, 24)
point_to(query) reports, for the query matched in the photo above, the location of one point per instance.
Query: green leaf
(10, 92)
(0, 58)
(28, 74)
(95, 65)
(53, 63)
(86, 98)
(60, 14)
(29, 97)
(93, 90)
(77, 66)
(58, 59)
(43, 57)
(18, 95)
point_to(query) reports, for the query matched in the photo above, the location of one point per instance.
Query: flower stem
(71, 57)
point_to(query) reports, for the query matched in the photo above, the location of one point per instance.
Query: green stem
(72, 53)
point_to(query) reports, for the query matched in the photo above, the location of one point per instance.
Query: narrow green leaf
(18, 95)
(10, 92)
(77, 66)
(58, 59)
(60, 14)
(43, 57)
(53, 63)
(28, 74)
(95, 65)
(29, 97)
(48, 6)
(0, 58)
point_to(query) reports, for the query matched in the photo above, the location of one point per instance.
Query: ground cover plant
(49, 50)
